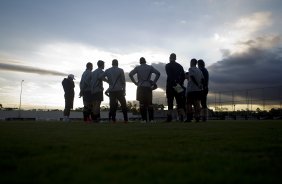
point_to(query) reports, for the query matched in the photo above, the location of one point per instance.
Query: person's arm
(81, 88)
(73, 85)
(84, 82)
(102, 77)
(64, 85)
(168, 71)
(157, 73)
(106, 76)
(123, 83)
(131, 74)
(207, 80)
(182, 76)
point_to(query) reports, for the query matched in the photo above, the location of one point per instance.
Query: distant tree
(129, 105)
(161, 106)
(135, 109)
(10, 109)
(158, 106)
(1, 106)
(275, 112)
(55, 110)
(132, 107)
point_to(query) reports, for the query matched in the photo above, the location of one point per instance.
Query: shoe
(143, 121)
(152, 121)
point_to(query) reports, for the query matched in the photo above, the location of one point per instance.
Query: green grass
(212, 152)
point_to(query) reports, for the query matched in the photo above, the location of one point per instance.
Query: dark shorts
(99, 96)
(171, 94)
(144, 95)
(194, 96)
(87, 97)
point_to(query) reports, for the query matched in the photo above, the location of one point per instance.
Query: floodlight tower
(21, 99)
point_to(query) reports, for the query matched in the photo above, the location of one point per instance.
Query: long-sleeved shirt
(175, 74)
(144, 73)
(196, 73)
(116, 78)
(97, 78)
(68, 86)
(85, 81)
(206, 77)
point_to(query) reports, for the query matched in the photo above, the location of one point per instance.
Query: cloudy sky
(43, 41)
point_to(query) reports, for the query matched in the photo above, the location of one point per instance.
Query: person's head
(201, 63)
(101, 64)
(172, 57)
(115, 62)
(193, 62)
(142, 60)
(89, 66)
(71, 77)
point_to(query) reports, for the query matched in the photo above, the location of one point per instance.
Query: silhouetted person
(98, 76)
(68, 86)
(201, 66)
(194, 91)
(85, 92)
(174, 87)
(116, 91)
(144, 87)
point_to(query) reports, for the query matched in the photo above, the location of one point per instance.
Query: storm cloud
(257, 67)
(29, 69)
(253, 76)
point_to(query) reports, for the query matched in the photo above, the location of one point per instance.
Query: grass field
(211, 152)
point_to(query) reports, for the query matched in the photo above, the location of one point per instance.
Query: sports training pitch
(211, 152)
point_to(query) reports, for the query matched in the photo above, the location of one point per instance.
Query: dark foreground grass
(212, 152)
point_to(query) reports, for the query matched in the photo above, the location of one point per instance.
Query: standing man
(98, 76)
(144, 87)
(85, 92)
(68, 86)
(174, 87)
(116, 91)
(204, 111)
(193, 91)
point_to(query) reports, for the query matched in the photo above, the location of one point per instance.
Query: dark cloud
(29, 69)
(254, 74)
(262, 42)
(249, 73)
(255, 68)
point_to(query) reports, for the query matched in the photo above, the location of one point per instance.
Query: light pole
(21, 99)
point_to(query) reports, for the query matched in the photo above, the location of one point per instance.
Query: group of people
(194, 95)
(191, 101)
(91, 90)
